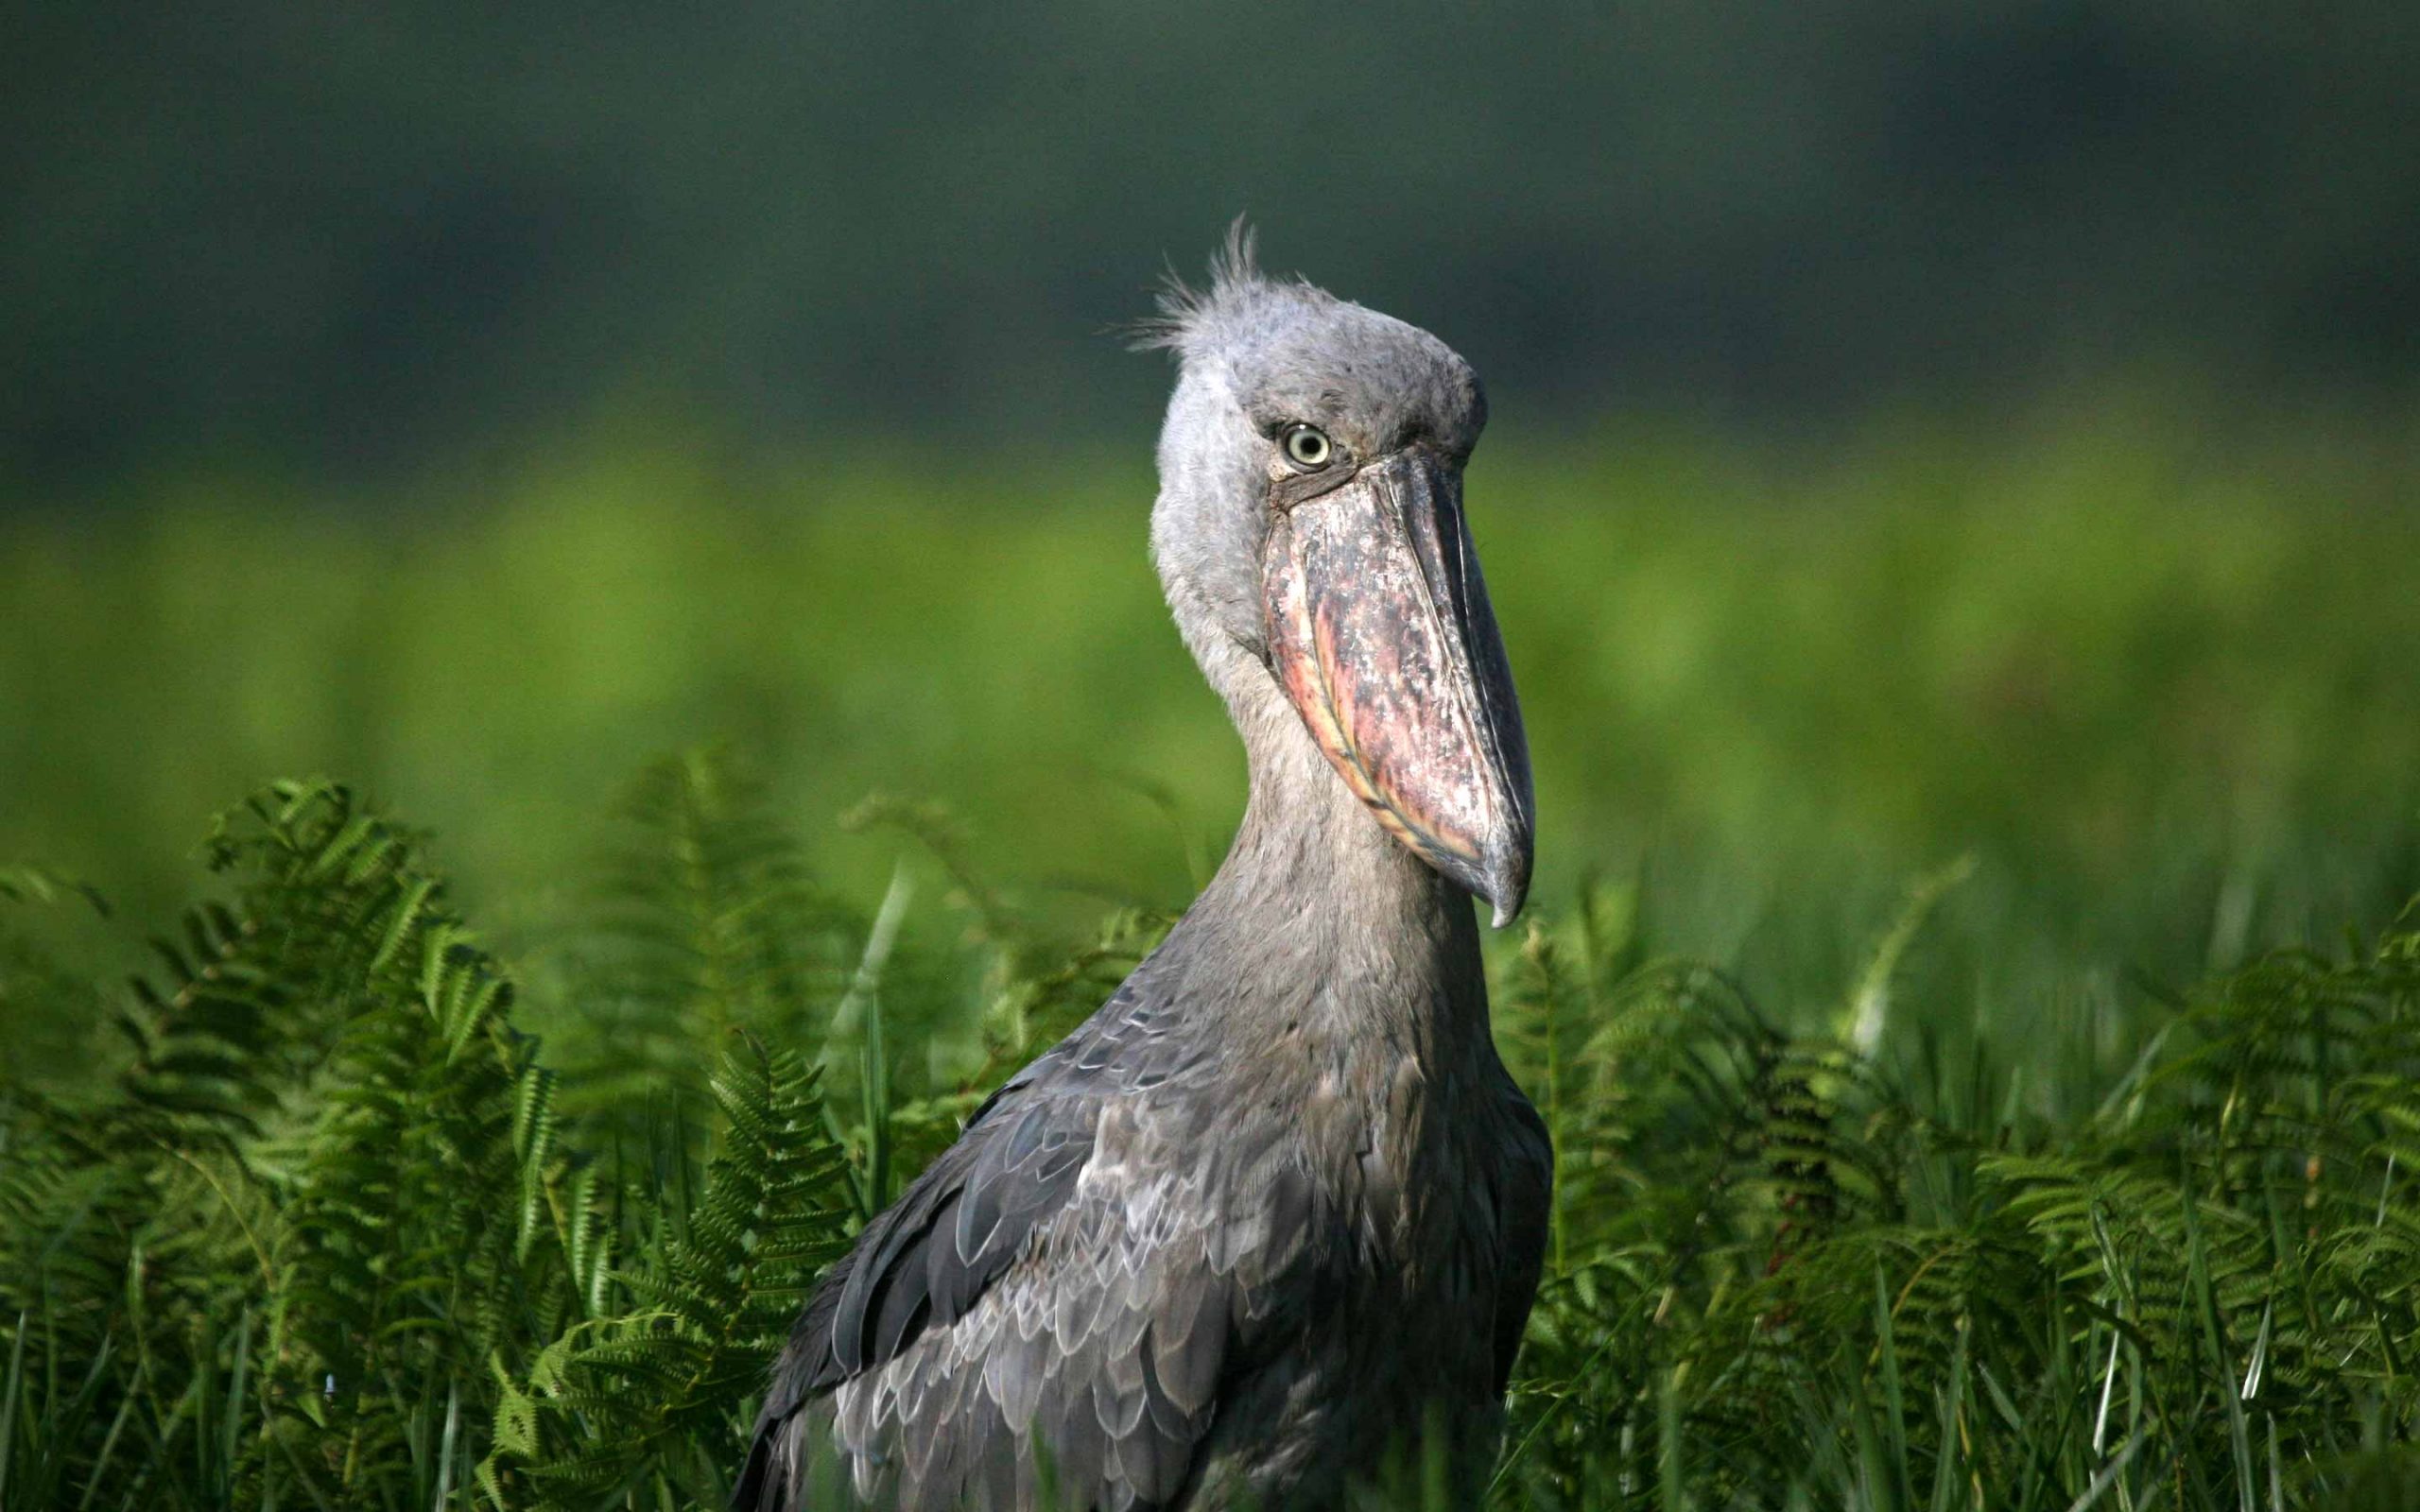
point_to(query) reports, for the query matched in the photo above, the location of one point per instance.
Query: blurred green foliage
(2157, 681)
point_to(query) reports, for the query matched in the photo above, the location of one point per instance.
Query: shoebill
(1276, 1211)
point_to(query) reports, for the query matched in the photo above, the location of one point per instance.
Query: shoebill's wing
(1057, 1280)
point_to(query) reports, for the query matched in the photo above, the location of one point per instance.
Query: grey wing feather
(896, 1281)
(935, 1360)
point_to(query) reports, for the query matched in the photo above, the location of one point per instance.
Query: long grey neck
(1321, 924)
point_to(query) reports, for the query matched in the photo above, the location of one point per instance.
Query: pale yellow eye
(1307, 446)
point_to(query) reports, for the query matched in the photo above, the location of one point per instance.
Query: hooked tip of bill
(1504, 882)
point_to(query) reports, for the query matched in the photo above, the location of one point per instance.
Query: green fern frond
(708, 919)
(623, 1400)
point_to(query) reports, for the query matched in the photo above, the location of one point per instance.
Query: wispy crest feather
(1188, 313)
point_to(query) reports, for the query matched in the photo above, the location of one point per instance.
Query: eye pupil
(1307, 445)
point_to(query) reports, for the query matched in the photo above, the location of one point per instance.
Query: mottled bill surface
(1380, 631)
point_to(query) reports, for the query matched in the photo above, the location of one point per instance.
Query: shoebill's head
(1309, 534)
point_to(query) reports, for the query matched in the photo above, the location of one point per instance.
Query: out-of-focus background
(1923, 431)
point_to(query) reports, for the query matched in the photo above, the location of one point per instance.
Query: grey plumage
(1277, 1204)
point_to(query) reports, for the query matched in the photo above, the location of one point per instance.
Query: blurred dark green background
(1923, 431)
(353, 235)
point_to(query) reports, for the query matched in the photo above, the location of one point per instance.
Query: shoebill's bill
(1276, 1211)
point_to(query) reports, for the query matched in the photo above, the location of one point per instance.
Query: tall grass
(337, 1231)
(1970, 990)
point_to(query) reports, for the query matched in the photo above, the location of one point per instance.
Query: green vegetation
(1971, 986)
